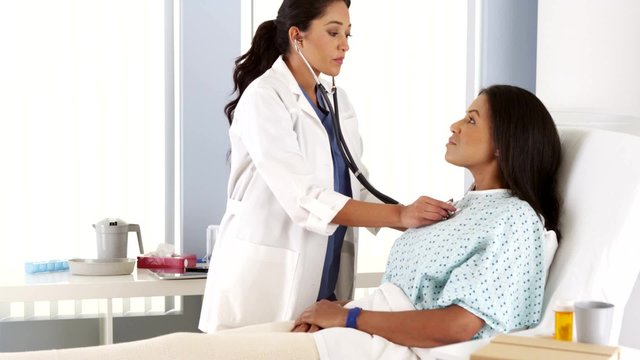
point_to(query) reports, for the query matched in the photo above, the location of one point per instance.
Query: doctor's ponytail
(254, 63)
(272, 40)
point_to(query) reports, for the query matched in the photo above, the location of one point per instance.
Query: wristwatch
(352, 317)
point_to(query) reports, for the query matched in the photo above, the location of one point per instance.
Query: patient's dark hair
(272, 40)
(529, 152)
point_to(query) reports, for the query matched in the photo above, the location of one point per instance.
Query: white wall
(405, 73)
(588, 56)
(589, 74)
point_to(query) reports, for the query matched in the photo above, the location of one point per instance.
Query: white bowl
(100, 267)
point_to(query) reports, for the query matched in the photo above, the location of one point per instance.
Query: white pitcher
(112, 235)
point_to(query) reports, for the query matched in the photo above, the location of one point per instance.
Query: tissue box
(173, 262)
(512, 347)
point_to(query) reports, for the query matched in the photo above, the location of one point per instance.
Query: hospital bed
(597, 257)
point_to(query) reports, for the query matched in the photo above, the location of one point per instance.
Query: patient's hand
(323, 314)
(304, 327)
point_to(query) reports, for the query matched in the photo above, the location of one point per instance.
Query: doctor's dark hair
(529, 151)
(272, 40)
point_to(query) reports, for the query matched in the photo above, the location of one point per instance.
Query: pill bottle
(564, 320)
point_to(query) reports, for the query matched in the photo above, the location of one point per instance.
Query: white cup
(212, 236)
(593, 322)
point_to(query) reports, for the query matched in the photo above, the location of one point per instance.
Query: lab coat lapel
(293, 85)
(306, 106)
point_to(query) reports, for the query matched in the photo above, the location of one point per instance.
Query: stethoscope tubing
(344, 149)
(342, 144)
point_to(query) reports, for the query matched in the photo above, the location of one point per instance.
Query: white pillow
(598, 257)
(550, 247)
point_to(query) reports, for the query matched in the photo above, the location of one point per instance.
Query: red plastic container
(174, 262)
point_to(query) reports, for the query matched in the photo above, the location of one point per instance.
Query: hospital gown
(487, 258)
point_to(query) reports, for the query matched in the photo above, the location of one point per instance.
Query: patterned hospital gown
(488, 258)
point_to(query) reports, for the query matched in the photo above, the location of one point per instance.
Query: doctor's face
(471, 145)
(325, 43)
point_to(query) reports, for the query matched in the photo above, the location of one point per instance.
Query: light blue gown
(488, 258)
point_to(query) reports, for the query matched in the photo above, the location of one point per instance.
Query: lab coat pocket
(256, 283)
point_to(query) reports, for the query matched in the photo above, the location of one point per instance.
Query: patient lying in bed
(482, 271)
(479, 272)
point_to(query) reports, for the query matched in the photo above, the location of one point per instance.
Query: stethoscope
(342, 144)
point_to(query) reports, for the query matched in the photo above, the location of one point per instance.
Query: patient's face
(470, 144)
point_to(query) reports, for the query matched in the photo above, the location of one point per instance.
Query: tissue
(163, 250)
(164, 258)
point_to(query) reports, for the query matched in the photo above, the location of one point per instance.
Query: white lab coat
(268, 260)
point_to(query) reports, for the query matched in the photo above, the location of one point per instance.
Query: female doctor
(292, 202)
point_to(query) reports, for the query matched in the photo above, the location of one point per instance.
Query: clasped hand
(321, 315)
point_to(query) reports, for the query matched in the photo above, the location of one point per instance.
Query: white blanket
(352, 344)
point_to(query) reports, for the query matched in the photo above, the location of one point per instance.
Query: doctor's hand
(425, 211)
(323, 314)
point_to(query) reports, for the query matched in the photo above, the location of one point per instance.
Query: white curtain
(83, 124)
